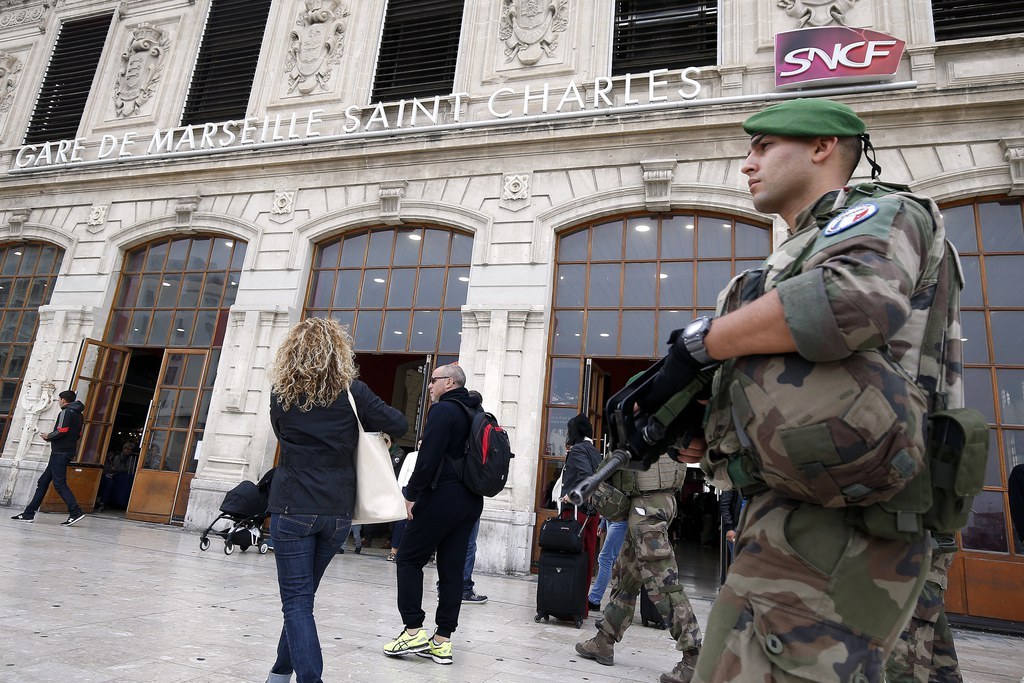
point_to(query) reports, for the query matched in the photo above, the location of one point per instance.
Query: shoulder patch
(849, 218)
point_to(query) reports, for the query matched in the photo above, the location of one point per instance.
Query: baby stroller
(245, 506)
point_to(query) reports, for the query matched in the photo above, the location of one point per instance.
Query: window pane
(641, 284)
(978, 392)
(971, 294)
(163, 408)
(38, 292)
(605, 285)
(401, 288)
(346, 318)
(1011, 396)
(327, 255)
(714, 237)
(155, 257)
(178, 255)
(565, 381)
(570, 286)
(986, 525)
(676, 290)
(396, 331)
(374, 288)
(160, 329)
(752, 240)
(462, 250)
(380, 248)
(139, 327)
(568, 332)
(573, 247)
(170, 287)
(638, 333)
(429, 287)
(19, 294)
(458, 287)
(199, 253)
(347, 291)
(353, 251)
(677, 237)
(641, 238)
(6, 285)
(711, 279)
(435, 248)
(190, 288)
(607, 242)
(150, 288)
(424, 331)
(1003, 288)
(602, 333)
(321, 288)
(220, 255)
(554, 443)
(451, 332)
(175, 451)
(993, 473)
(960, 228)
(367, 330)
(1008, 337)
(668, 322)
(973, 328)
(213, 290)
(181, 331)
(407, 246)
(27, 327)
(1001, 228)
(155, 449)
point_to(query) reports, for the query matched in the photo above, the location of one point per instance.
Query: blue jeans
(467, 573)
(303, 547)
(613, 540)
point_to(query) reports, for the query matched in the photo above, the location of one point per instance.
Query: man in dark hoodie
(442, 513)
(63, 442)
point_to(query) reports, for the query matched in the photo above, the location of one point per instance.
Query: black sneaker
(593, 606)
(72, 519)
(473, 599)
(23, 518)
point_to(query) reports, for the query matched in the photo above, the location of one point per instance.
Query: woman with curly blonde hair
(314, 486)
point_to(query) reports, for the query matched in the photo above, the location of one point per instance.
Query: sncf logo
(834, 54)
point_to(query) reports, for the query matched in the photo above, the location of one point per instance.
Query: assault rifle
(639, 432)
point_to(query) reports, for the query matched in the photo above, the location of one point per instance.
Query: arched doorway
(989, 235)
(621, 285)
(151, 379)
(28, 271)
(400, 291)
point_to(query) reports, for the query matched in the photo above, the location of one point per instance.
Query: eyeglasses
(435, 379)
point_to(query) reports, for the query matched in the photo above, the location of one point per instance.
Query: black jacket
(316, 475)
(730, 504)
(444, 440)
(67, 430)
(580, 462)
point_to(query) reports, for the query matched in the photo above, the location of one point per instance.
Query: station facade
(540, 191)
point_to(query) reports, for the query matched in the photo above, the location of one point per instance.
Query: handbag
(378, 497)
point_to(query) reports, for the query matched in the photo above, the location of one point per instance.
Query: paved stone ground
(113, 600)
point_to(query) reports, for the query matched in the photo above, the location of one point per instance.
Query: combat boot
(684, 670)
(600, 648)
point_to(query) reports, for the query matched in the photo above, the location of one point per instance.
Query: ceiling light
(398, 332)
(689, 226)
(415, 237)
(463, 278)
(604, 334)
(180, 330)
(229, 243)
(643, 227)
(166, 284)
(17, 253)
(663, 276)
(379, 280)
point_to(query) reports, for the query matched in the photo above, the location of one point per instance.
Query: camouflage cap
(805, 118)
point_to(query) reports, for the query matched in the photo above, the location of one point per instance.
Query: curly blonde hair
(313, 365)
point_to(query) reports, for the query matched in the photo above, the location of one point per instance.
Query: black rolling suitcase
(649, 615)
(562, 581)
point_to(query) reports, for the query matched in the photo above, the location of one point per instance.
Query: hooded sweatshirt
(67, 430)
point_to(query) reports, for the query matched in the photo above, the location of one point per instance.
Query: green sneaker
(439, 652)
(404, 643)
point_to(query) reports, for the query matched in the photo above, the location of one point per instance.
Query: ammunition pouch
(664, 475)
(939, 499)
(610, 503)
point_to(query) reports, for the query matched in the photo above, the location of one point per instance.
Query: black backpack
(484, 467)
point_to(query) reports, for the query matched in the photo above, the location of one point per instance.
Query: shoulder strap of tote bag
(352, 402)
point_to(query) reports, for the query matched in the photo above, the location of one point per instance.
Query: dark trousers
(57, 472)
(442, 520)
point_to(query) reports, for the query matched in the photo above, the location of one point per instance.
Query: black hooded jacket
(444, 440)
(67, 430)
(317, 475)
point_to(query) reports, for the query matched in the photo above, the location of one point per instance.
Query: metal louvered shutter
(226, 65)
(955, 19)
(65, 89)
(654, 34)
(418, 49)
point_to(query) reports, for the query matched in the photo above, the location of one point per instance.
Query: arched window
(27, 274)
(397, 289)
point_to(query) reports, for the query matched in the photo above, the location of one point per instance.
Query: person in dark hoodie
(580, 462)
(442, 513)
(314, 486)
(63, 442)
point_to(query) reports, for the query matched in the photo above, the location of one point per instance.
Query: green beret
(805, 118)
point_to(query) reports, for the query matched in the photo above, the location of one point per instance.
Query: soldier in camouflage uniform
(925, 652)
(647, 559)
(818, 410)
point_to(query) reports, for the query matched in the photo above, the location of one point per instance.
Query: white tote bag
(378, 498)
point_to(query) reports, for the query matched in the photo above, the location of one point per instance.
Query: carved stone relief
(9, 67)
(391, 195)
(658, 175)
(515, 191)
(141, 64)
(1013, 152)
(19, 12)
(316, 45)
(817, 12)
(97, 217)
(530, 28)
(283, 208)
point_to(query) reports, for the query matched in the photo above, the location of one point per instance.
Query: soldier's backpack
(483, 469)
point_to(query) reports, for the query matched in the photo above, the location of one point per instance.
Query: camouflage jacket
(857, 281)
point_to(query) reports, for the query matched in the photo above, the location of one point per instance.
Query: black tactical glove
(679, 370)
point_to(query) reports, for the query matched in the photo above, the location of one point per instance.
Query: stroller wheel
(264, 548)
(204, 543)
(228, 548)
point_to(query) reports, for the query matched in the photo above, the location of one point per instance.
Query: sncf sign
(830, 55)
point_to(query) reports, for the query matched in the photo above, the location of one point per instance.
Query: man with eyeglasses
(442, 513)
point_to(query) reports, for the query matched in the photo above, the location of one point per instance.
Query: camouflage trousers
(647, 559)
(925, 652)
(809, 598)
